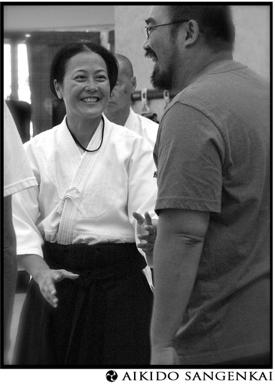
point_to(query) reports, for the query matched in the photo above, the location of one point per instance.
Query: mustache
(149, 53)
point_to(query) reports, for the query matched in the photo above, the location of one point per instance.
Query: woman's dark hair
(58, 66)
(215, 22)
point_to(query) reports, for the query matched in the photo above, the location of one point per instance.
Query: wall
(253, 37)
(37, 17)
(251, 48)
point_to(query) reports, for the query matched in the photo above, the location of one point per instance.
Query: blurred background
(33, 33)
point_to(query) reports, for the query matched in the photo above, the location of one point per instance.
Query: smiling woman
(89, 302)
(85, 89)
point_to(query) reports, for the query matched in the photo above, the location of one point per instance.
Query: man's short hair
(215, 23)
(127, 62)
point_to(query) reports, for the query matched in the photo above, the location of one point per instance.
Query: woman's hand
(46, 280)
(146, 232)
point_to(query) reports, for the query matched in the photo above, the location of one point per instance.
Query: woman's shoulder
(45, 135)
(44, 140)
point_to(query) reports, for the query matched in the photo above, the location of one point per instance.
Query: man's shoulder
(198, 89)
(145, 122)
(222, 80)
(122, 132)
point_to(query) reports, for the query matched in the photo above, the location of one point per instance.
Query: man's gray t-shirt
(212, 154)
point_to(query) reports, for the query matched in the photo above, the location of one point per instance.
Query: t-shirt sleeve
(17, 171)
(190, 153)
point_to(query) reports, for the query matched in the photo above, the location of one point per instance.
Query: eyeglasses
(150, 28)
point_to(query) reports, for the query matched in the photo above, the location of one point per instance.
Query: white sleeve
(26, 213)
(17, 171)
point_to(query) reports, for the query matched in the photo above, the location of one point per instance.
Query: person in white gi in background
(119, 111)
(18, 176)
(119, 108)
(76, 231)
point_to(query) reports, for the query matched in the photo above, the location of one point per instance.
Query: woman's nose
(90, 85)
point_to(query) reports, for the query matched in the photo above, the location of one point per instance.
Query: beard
(161, 79)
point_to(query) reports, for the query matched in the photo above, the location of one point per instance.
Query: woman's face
(85, 88)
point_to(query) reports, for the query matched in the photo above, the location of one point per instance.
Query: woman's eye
(101, 78)
(80, 77)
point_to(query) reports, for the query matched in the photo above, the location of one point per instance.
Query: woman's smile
(85, 88)
(90, 99)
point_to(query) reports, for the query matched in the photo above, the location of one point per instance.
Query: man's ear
(192, 32)
(134, 83)
(58, 89)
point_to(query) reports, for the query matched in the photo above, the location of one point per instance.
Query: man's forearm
(176, 259)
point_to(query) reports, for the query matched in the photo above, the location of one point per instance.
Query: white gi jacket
(84, 197)
(142, 126)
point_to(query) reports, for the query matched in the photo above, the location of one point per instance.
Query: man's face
(121, 93)
(161, 48)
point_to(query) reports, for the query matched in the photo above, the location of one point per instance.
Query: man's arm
(177, 252)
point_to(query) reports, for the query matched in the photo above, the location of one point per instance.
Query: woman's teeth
(90, 100)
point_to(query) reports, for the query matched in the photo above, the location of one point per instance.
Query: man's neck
(118, 117)
(193, 68)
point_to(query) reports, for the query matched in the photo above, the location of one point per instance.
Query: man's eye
(80, 77)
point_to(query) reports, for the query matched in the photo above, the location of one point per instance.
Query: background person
(18, 176)
(211, 256)
(76, 232)
(119, 108)
(119, 111)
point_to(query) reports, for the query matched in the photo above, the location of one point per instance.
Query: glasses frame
(150, 28)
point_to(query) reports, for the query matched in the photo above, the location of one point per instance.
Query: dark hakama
(102, 318)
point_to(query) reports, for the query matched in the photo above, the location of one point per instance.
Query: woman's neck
(83, 129)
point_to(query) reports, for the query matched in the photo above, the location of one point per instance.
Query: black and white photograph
(137, 192)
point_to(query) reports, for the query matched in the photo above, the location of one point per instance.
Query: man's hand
(146, 232)
(164, 356)
(46, 280)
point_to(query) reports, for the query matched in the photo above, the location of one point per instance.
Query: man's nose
(146, 44)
